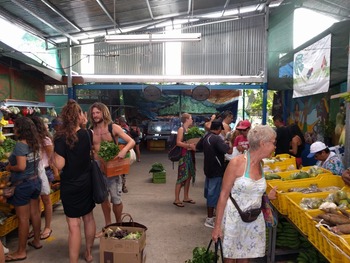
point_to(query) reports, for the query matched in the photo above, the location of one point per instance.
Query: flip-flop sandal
(31, 234)
(189, 201)
(179, 204)
(31, 244)
(10, 258)
(44, 236)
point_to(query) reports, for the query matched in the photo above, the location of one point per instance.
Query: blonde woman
(186, 168)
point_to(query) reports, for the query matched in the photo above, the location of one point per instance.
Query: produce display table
(333, 247)
(11, 223)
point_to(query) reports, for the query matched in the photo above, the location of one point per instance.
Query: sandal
(45, 235)
(179, 204)
(31, 234)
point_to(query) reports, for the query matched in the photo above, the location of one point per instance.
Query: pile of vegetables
(339, 199)
(157, 167)
(193, 132)
(122, 234)
(300, 174)
(6, 148)
(337, 219)
(200, 255)
(108, 150)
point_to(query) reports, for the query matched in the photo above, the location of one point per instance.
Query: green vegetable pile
(157, 167)
(108, 150)
(6, 148)
(193, 132)
(8, 145)
(200, 255)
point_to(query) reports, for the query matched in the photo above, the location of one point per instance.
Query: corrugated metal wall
(230, 48)
(129, 59)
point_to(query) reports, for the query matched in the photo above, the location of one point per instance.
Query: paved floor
(172, 233)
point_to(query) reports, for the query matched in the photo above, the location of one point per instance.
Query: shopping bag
(268, 212)
(218, 245)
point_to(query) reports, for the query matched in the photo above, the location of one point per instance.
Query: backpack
(110, 129)
(133, 133)
(174, 153)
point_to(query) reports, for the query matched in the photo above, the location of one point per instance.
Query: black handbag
(99, 185)
(249, 215)
(218, 245)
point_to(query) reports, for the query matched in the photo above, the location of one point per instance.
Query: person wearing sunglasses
(325, 158)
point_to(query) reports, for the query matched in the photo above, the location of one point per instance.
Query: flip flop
(31, 244)
(45, 236)
(189, 201)
(179, 204)
(31, 234)
(9, 258)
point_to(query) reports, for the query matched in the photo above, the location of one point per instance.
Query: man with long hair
(100, 117)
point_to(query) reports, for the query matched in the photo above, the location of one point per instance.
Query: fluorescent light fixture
(130, 39)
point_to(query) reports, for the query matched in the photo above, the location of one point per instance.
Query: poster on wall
(312, 69)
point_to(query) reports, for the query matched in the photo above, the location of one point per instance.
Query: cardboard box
(115, 167)
(193, 140)
(114, 250)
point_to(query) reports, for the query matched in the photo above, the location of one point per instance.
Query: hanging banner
(311, 69)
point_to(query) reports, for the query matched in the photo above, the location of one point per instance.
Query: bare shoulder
(117, 129)
(237, 163)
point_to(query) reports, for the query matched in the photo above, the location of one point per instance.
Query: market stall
(10, 110)
(315, 203)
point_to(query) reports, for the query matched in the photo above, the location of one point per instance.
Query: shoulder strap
(247, 168)
(90, 140)
(110, 129)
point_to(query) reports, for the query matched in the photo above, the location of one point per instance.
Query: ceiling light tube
(130, 39)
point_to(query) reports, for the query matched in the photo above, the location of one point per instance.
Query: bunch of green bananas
(310, 255)
(287, 235)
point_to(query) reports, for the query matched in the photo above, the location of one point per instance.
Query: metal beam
(107, 13)
(44, 21)
(162, 87)
(61, 15)
(169, 79)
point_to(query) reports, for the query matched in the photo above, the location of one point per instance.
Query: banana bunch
(3, 122)
(287, 235)
(310, 255)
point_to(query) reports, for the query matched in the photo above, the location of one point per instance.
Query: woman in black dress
(72, 156)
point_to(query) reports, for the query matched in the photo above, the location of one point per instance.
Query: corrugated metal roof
(55, 20)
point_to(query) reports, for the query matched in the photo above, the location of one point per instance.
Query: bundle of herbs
(193, 132)
(201, 255)
(157, 167)
(108, 150)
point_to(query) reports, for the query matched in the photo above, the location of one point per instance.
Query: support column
(71, 93)
(347, 119)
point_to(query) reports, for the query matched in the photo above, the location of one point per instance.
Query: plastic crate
(159, 180)
(345, 247)
(159, 175)
(322, 181)
(312, 232)
(286, 175)
(287, 162)
(297, 214)
(10, 224)
(55, 197)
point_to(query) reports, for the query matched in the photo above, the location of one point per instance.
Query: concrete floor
(172, 233)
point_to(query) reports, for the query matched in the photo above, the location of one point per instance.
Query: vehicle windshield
(159, 127)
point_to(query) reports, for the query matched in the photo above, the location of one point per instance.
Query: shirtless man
(100, 117)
